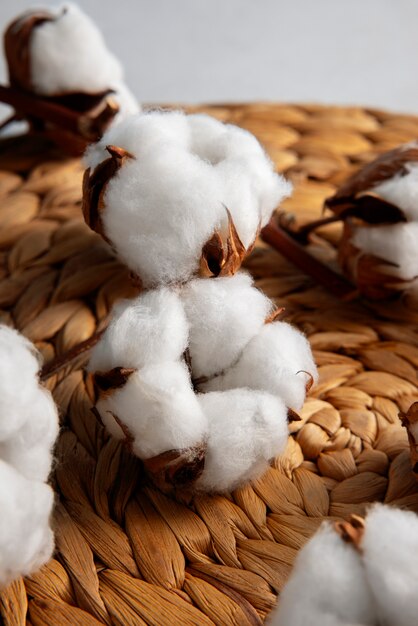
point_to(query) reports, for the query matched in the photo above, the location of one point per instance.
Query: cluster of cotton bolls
(379, 250)
(367, 577)
(28, 429)
(191, 362)
(65, 55)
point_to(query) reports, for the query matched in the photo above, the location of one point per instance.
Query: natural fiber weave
(126, 554)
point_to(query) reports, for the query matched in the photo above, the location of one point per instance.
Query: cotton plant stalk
(28, 429)
(196, 375)
(362, 572)
(63, 79)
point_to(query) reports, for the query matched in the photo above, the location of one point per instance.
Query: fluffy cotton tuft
(402, 191)
(148, 330)
(328, 586)
(246, 430)
(390, 546)
(19, 366)
(26, 540)
(166, 202)
(372, 581)
(28, 416)
(158, 407)
(224, 314)
(69, 55)
(396, 243)
(28, 429)
(277, 360)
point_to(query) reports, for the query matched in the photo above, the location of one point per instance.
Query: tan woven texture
(126, 553)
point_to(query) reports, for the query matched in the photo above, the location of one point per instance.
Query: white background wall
(338, 51)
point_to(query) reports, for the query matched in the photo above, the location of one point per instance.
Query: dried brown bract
(410, 422)
(374, 276)
(95, 184)
(356, 197)
(223, 257)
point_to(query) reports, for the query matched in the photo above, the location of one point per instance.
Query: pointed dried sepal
(95, 185)
(224, 258)
(410, 422)
(129, 439)
(274, 316)
(374, 277)
(107, 382)
(97, 113)
(352, 531)
(177, 469)
(292, 416)
(356, 197)
(16, 46)
(213, 257)
(310, 380)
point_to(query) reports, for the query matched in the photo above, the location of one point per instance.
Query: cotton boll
(396, 243)
(147, 330)
(30, 449)
(69, 54)
(327, 586)
(168, 204)
(224, 314)
(184, 175)
(158, 407)
(246, 430)
(277, 360)
(26, 540)
(389, 546)
(19, 367)
(402, 191)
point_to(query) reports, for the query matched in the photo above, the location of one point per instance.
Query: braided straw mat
(126, 553)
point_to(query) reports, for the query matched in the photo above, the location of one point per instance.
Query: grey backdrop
(339, 51)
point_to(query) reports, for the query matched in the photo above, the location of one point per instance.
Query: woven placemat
(126, 553)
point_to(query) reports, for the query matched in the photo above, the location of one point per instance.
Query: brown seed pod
(360, 206)
(224, 258)
(170, 470)
(355, 197)
(374, 277)
(72, 119)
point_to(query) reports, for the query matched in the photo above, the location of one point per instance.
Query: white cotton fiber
(28, 429)
(30, 448)
(147, 330)
(26, 540)
(69, 54)
(327, 586)
(396, 243)
(223, 314)
(159, 408)
(19, 367)
(390, 548)
(277, 360)
(246, 430)
(167, 201)
(402, 191)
